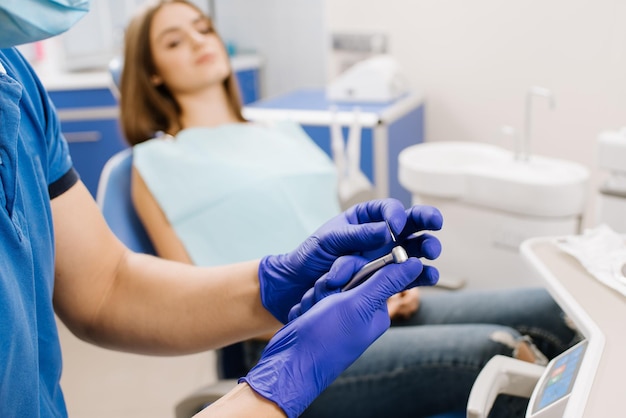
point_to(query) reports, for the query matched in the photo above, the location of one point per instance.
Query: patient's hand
(404, 304)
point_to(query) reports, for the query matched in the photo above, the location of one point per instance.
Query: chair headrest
(115, 71)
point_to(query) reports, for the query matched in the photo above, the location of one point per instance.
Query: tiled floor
(100, 383)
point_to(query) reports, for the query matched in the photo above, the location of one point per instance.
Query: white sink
(486, 175)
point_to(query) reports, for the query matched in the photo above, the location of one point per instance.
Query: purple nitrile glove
(359, 230)
(284, 278)
(308, 353)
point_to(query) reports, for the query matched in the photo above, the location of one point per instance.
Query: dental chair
(114, 199)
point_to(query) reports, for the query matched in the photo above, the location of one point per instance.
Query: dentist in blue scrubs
(58, 255)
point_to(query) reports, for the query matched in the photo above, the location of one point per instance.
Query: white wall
(475, 61)
(99, 36)
(289, 35)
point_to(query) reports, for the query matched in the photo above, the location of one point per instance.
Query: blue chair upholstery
(113, 198)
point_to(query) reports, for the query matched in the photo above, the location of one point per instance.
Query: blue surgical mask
(24, 21)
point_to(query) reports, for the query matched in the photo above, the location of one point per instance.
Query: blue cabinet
(90, 125)
(89, 120)
(248, 81)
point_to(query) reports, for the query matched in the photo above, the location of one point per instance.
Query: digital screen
(561, 376)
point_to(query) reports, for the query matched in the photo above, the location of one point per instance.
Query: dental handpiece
(397, 255)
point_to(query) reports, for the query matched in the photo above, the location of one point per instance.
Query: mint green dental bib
(240, 191)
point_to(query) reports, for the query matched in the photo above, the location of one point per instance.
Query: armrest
(451, 283)
(196, 401)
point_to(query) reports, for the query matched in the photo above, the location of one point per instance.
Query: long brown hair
(145, 108)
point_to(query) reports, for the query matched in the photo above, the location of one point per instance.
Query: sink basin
(487, 175)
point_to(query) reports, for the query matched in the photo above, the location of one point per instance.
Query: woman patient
(198, 162)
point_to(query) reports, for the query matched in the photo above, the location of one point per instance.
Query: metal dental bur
(397, 255)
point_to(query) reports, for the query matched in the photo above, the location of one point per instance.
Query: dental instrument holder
(502, 375)
(386, 129)
(354, 186)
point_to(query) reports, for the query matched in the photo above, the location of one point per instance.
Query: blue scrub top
(35, 167)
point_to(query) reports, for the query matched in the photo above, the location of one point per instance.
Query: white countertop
(55, 80)
(598, 311)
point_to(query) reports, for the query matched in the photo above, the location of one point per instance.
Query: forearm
(113, 297)
(161, 307)
(242, 401)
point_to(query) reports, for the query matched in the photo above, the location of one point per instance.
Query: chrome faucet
(532, 92)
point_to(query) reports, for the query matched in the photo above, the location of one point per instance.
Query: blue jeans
(427, 364)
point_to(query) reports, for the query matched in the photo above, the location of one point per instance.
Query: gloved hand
(284, 278)
(423, 246)
(308, 353)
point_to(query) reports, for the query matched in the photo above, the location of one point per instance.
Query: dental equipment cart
(386, 129)
(584, 381)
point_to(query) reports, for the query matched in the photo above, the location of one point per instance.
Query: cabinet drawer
(79, 99)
